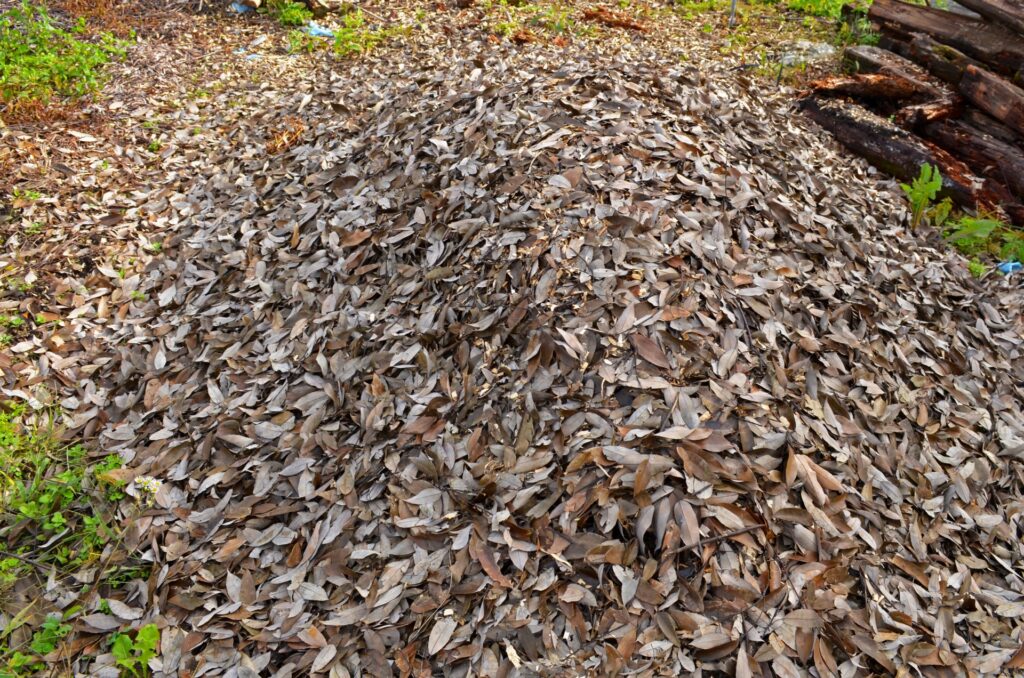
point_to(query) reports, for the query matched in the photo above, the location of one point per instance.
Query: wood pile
(942, 87)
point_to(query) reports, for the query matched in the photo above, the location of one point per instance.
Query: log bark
(992, 128)
(1009, 13)
(984, 154)
(942, 61)
(895, 150)
(873, 86)
(941, 102)
(938, 109)
(994, 95)
(870, 59)
(998, 97)
(999, 48)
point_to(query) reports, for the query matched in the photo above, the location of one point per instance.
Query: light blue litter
(239, 8)
(318, 31)
(1008, 267)
(258, 41)
(252, 57)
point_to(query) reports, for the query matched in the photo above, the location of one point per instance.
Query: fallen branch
(613, 19)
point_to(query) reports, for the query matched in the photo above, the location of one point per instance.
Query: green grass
(975, 237)
(510, 19)
(40, 60)
(289, 13)
(301, 41)
(977, 268)
(691, 9)
(354, 37)
(58, 516)
(978, 236)
(829, 9)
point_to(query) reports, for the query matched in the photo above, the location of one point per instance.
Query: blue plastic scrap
(1008, 267)
(318, 31)
(239, 8)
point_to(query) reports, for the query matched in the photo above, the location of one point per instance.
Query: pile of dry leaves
(520, 361)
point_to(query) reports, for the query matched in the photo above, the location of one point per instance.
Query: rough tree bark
(983, 153)
(999, 48)
(994, 95)
(893, 149)
(1009, 13)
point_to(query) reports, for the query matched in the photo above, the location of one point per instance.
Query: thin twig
(27, 561)
(712, 540)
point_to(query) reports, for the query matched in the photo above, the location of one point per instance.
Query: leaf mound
(550, 363)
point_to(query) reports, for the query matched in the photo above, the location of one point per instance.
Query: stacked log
(943, 88)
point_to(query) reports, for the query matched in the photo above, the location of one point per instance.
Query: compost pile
(517, 363)
(944, 88)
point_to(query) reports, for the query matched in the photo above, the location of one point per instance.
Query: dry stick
(28, 561)
(712, 540)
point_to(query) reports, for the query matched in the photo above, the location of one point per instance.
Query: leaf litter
(525, 361)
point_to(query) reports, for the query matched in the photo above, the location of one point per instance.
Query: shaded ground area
(475, 358)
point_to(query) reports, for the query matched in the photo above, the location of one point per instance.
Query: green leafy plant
(289, 13)
(977, 268)
(353, 37)
(981, 236)
(857, 31)
(26, 195)
(11, 321)
(830, 9)
(40, 60)
(133, 655)
(46, 638)
(691, 8)
(136, 295)
(301, 41)
(155, 145)
(57, 517)
(556, 19)
(921, 192)
(49, 636)
(51, 487)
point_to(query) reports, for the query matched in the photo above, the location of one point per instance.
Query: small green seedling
(46, 639)
(26, 195)
(977, 268)
(133, 655)
(921, 192)
(136, 295)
